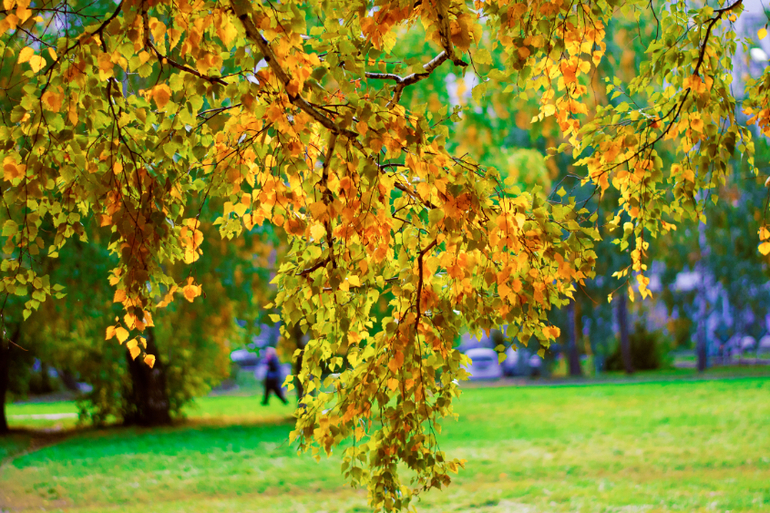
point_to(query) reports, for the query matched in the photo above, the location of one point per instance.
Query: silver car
(484, 364)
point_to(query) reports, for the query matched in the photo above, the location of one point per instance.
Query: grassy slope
(679, 446)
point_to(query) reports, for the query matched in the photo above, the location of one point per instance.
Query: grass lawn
(653, 447)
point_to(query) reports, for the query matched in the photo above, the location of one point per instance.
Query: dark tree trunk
(5, 368)
(572, 348)
(296, 333)
(46, 386)
(148, 403)
(5, 356)
(69, 380)
(625, 343)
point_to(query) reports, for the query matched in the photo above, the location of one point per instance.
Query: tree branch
(420, 282)
(264, 47)
(402, 82)
(183, 67)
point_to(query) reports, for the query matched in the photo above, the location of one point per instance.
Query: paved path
(46, 416)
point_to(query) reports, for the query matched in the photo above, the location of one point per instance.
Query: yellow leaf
(135, 351)
(149, 360)
(762, 33)
(25, 54)
(36, 63)
(396, 362)
(227, 31)
(354, 281)
(122, 334)
(161, 93)
(317, 231)
(764, 248)
(110, 332)
(393, 384)
(23, 13)
(240, 209)
(191, 291)
(549, 110)
(12, 170)
(120, 295)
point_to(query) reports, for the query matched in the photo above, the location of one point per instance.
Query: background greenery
(656, 446)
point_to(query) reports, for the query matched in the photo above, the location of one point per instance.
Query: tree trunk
(5, 356)
(46, 387)
(148, 403)
(5, 368)
(296, 333)
(700, 337)
(625, 343)
(69, 380)
(572, 349)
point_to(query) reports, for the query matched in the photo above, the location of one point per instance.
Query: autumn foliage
(290, 113)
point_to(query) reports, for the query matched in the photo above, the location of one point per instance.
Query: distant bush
(649, 350)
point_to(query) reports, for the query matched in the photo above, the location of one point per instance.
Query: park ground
(657, 443)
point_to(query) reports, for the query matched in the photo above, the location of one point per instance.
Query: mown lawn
(653, 447)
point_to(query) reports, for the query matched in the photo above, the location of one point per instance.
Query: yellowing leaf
(149, 360)
(120, 296)
(110, 332)
(762, 33)
(227, 31)
(25, 54)
(317, 231)
(396, 362)
(11, 169)
(161, 93)
(135, 351)
(191, 291)
(122, 334)
(36, 63)
(764, 248)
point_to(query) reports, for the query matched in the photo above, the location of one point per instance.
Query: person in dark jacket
(273, 376)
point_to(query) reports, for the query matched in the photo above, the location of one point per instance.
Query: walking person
(273, 376)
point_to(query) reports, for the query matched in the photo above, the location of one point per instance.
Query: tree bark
(5, 368)
(296, 333)
(148, 403)
(625, 343)
(5, 356)
(572, 349)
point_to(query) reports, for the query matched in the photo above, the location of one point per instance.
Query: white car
(484, 364)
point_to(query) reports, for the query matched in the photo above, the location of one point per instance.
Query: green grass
(663, 446)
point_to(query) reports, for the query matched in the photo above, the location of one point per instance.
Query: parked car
(521, 362)
(484, 364)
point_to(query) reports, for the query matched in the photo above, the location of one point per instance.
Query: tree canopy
(133, 115)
